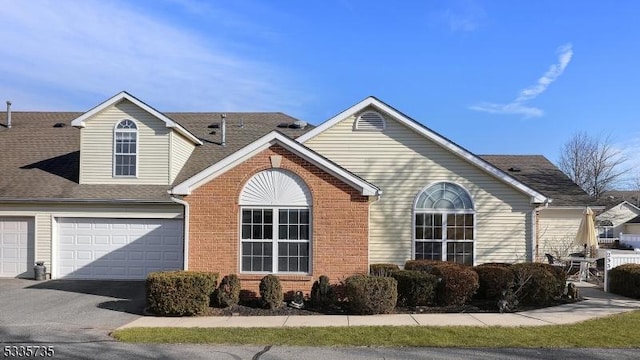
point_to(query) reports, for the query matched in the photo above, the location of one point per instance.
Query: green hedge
(536, 284)
(494, 281)
(271, 292)
(457, 284)
(625, 280)
(382, 269)
(179, 293)
(415, 288)
(371, 294)
(228, 292)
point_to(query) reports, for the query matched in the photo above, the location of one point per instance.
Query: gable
(344, 125)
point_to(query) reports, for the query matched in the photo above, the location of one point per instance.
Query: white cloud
(517, 106)
(93, 49)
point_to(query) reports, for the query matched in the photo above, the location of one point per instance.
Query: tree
(592, 163)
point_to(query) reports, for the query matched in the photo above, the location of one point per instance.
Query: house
(620, 215)
(123, 189)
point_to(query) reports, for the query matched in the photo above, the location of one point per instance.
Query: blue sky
(497, 77)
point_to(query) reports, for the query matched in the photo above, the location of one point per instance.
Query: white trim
(370, 101)
(123, 95)
(54, 247)
(185, 229)
(272, 138)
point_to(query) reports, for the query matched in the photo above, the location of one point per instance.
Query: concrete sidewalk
(596, 304)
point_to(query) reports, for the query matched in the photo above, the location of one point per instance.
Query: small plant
(371, 294)
(382, 269)
(322, 294)
(228, 292)
(179, 293)
(271, 292)
(415, 288)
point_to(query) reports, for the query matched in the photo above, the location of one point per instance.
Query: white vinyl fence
(632, 240)
(616, 259)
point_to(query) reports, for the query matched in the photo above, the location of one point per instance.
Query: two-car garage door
(104, 248)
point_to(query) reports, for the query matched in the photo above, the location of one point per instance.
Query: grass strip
(617, 331)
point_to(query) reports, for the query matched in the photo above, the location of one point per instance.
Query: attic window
(370, 121)
(125, 150)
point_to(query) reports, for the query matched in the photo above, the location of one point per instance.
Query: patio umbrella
(587, 236)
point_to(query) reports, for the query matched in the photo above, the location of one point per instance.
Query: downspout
(185, 229)
(534, 230)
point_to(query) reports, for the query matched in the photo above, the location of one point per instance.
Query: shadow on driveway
(130, 295)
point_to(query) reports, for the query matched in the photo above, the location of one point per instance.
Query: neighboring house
(620, 215)
(126, 190)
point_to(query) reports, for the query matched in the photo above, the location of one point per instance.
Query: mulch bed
(254, 308)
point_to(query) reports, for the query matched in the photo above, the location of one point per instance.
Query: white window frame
(444, 212)
(116, 154)
(275, 241)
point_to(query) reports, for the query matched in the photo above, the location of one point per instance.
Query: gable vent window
(125, 150)
(370, 121)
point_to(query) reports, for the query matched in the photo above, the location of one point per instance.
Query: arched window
(444, 224)
(125, 149)
(275, 216)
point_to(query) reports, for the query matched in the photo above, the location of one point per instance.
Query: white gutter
(534, 230)
(186, 231)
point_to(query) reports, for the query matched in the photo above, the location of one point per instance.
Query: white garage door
(16, 247)
(99, 248)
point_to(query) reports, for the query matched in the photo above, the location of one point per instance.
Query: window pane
(268, 250)
(293, 249)
(268, 232)
(293, 217)
(246, 249)
(293, 232)
(304, 264)
(257, 216)
(304, 232)
(246, 263)
(420, 219)
(246, 216)
(257, 231)
(293, 264)
(256, 263)
(431, 250)
(282, 232)
(283, 250)
(246, 231)
(304, 216)
(268, 216)
(304, 249)
(283, 217)
(282, 264)
(419, 233)
(437, 233)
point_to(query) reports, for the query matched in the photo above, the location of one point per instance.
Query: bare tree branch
(592, 163)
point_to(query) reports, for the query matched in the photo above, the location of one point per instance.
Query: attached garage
(108, 248)
(16, 247)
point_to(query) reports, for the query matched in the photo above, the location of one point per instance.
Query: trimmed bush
(625, 280)
(228, 292)
(535, 284)
(382, 269)
(422, 265)
(415, 288)
(322, 294)
(271, 292)
(371, 294)
(457, 284)
(179, 293)
(494, 281)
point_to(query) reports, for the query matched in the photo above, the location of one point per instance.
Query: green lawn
(618, 331)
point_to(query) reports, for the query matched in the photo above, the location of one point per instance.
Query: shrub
(322, 294)
(179, 293)
(625, 280)
(534, 284)
(494, 281)
(415, 287)
(457, 283)
(228, 292)
(382, 269)
(271, 292)
(422, 265)
(371, 294)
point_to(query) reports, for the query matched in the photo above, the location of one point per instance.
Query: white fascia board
(123, 95)
(263, 143)
(536, 197)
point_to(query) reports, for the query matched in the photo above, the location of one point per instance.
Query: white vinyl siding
(181, 150)
(557, 229)
(402, 162)
(45, 229)
(96, 147)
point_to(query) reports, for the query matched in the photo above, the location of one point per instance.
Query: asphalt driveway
(66, 310)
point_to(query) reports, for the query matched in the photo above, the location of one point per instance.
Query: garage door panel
(119, 248)
(17, 242)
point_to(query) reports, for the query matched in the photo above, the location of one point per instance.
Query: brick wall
(339, 223)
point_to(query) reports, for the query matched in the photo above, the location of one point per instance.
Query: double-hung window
(275, 224)
(444, 224)
(125, 151)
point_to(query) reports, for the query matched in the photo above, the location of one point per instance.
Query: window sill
(282, 277)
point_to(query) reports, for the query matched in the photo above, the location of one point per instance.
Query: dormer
(125, 141)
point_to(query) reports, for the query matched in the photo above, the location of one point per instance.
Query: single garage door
(16, 247)
(100, 248)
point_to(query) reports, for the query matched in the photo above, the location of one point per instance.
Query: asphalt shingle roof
(40, 161)
(540, 174)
